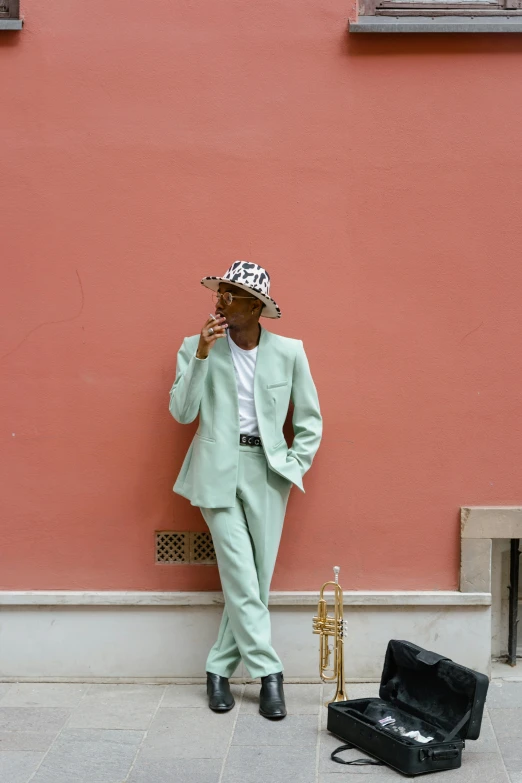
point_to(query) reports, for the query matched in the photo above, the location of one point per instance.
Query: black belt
(250, 440)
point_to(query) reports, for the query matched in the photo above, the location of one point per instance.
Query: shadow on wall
(422, 44)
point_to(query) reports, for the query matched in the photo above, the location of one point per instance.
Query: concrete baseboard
(165, 637)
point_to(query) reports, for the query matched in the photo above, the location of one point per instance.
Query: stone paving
(93, 733)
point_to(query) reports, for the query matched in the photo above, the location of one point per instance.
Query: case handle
(438, 754)
(431, 658)
(356, 762)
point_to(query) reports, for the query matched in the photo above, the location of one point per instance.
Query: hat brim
(270, 309)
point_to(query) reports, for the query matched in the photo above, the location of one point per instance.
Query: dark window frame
(9, 9)
(436, 8)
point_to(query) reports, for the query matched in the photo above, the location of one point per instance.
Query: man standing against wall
(239, 378)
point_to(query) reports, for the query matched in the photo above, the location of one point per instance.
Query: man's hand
(217, 327)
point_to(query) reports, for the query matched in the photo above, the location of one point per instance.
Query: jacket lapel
(225, 385)
(262, 373)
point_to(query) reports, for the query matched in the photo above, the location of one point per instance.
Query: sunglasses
(228, 298)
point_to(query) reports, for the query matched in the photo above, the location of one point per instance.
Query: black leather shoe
(271, 697)
(220, 698)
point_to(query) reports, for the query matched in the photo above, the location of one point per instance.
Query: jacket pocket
(204, 437)
(205, 429)
(275, 385)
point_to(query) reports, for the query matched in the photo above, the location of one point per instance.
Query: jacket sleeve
(307, 421)
(187, 390)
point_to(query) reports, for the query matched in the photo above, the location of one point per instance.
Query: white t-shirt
(245, 367)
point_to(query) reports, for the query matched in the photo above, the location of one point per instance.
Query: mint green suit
(242, 490)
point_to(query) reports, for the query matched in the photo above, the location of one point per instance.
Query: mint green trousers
(246, 539)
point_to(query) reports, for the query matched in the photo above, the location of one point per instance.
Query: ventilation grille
(190, 547)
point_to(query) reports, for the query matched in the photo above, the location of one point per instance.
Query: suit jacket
(208, 387)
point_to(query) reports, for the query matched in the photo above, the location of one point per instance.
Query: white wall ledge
(440, 24)
(203, 598)
(118, 636)
(11, 24)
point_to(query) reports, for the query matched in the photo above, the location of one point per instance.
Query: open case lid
(435, 688)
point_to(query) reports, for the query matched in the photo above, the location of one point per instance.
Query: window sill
(11, 24)
(440, 24)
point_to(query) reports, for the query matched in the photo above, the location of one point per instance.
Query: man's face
(239, 313)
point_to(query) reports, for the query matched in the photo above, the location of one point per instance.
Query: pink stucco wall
(379, 180)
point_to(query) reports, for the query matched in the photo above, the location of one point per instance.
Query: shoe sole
(223, 709)
(272, 717)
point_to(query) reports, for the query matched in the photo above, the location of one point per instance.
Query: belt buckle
(250, 440)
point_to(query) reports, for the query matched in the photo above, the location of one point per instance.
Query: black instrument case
(425, 692)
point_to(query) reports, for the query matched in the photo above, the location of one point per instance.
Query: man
(240, 378)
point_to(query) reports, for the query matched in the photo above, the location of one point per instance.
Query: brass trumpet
(334, 627)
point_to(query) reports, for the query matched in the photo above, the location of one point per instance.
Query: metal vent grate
(201, 548)
(188, 547)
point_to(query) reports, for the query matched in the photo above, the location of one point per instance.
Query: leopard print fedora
(250, 277)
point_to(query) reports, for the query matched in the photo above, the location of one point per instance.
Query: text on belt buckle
(250, 440)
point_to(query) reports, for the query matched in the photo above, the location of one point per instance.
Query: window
(9, 9)
(439, 16)
(10, 15)
(439, 7)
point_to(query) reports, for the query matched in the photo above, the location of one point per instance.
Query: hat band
(250, 287)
